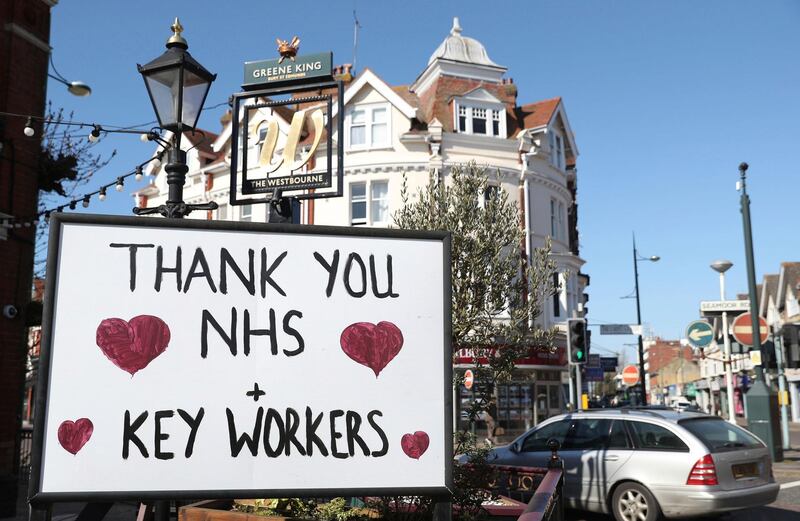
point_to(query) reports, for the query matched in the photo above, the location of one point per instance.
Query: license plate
(745, 470)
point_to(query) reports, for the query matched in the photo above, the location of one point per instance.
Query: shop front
(534, 393)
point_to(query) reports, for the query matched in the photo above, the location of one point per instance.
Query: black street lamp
(178, 85)
(642, 374)
(762, 402)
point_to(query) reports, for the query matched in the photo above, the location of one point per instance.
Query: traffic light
(577, 340)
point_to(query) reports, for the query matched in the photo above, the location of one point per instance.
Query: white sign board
(620, 329)
(718, 306)
(209, 359)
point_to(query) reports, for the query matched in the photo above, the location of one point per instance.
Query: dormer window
(480, 116)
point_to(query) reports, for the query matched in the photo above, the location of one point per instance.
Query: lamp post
(762, 402)
(178, 85)
(76, 88)
(636, 259)
(721, 266)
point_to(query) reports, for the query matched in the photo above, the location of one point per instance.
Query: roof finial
(176, 39)
(456, 27)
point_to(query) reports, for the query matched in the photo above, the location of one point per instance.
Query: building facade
(461, 108)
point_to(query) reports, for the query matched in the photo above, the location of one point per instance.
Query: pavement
(785, 508)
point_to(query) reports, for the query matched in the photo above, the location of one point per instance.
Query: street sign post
(700, 333)
(743, 329)
(630, 375)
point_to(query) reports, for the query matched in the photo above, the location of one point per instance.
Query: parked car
(641, 463)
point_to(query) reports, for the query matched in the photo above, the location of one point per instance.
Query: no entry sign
(742, 329)
(630, 375)
(187, 358)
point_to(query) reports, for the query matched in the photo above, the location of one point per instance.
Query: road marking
(790, 484)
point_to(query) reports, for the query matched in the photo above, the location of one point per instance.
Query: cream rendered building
(461, 108)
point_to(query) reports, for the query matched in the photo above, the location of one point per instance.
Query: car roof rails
(647, 409)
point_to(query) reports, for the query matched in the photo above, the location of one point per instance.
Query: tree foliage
(496, 298)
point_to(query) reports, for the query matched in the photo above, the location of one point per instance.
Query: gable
(480, 95)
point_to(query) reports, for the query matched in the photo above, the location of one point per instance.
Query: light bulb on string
(120, 184)
(28, 130)
(85, 201)
(139, 174)
(73, 204)
(94, 135)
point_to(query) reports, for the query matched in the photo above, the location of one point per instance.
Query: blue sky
(665, 98)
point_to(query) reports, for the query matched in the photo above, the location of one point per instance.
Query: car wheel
(633, 502)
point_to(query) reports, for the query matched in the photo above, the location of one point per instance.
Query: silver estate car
(641, 463)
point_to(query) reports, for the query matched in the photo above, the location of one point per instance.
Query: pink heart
(372, 345)
(73, 435)
(415, 445)
(132, 345)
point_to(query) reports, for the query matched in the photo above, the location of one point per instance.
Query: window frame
(492, 112)
(635, 438)
(369, 109)
(249, 216)
(369, 202)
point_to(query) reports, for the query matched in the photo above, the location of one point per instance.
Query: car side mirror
(514, 447)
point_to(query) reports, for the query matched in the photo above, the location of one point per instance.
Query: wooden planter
(220, 510)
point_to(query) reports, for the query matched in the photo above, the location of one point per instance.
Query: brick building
(24, 54)
(658, 354)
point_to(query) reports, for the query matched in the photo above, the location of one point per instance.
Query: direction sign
(469, 378)
(742, 329)
(609, 363)
(630, 375)
(620, 329)
(700, 333)
(710, 308)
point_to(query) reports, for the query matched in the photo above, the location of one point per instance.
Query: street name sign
(716, 307)
(187, 358)
(700, 333)
(630, 375)
(742, 329)
(620, 329)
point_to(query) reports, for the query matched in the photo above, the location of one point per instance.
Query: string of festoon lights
(102, 191)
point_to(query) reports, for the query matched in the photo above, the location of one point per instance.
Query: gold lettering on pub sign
(265, 159)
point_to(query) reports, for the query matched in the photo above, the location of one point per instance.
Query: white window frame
(557, 210)
(557, 146)
(369, 109)
(493, 112)
(370, 202)
(246, 213)
(222, 212)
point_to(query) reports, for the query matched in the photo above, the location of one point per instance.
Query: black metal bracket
(175, 210)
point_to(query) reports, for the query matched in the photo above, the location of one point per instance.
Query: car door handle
(610, 458)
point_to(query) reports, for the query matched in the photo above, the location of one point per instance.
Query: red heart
(132, 345)
(415, 445)
(372, 345)
(73, 435)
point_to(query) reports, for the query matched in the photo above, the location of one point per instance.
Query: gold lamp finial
(176, 38)
(288, 49)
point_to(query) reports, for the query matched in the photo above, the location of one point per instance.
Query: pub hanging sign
(283, 126)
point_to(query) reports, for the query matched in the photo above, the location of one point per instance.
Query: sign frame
(35, 495)
(237, 103)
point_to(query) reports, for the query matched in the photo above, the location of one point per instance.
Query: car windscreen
(719, 435)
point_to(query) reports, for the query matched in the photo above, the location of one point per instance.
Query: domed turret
(461, 57)
(462, 49)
